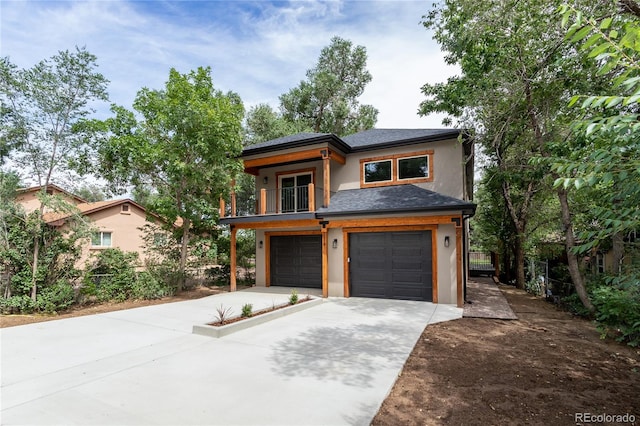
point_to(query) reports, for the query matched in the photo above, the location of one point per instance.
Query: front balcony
(292, 199)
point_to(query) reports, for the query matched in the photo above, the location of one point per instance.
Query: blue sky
(258, 49)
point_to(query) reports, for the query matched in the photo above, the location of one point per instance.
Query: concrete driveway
(330, 364)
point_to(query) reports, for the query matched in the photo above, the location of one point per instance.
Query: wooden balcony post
(312, 197)
(327, 180)
(263, 201)
(233, 198)
(222, 207)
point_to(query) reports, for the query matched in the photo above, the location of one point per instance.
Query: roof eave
(331, 139)
(454, 133)
(465, 209)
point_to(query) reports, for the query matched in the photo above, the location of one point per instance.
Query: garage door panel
(398, 267)
(296, 261)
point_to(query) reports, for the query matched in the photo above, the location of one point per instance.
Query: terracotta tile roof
(87, 209)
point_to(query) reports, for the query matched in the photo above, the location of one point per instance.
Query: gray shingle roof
(390, 199)
(369, 139)
(376, 137)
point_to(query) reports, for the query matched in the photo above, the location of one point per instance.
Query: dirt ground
(540, 369)
(99, 308)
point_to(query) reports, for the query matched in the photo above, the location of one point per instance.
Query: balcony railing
(295, 199)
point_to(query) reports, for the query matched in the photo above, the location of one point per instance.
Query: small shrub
(247, 310)
(147, 287)
(223, 314)
(219, 275)
(618, 313)
(293, 298)
(56, 297)
(17, 305)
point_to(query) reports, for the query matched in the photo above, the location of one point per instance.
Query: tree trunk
(186, 224)
(36, 254)
(572, 259)
(618, 252)
(519, 254)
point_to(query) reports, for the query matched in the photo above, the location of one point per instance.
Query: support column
(312, 197)
(232, 260)
(459, 291)
(325, 262)
(326, 164)
(222, 207)
(263, 201)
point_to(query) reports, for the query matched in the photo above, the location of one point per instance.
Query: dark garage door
(391, 265)
(296, 261)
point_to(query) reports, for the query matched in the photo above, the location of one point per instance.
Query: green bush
(56, 297)
(247, 310)
(219, 275)
(618, 313)
(293, 298)
(113, 274)
(16, 305)
(573, 304)
(146, 286)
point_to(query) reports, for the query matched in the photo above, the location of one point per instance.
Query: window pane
(377, 171)
(414, 167)
(95, 239)
(106, 239)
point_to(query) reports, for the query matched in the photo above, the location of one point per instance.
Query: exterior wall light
(265, 180)
(260, 244)
(335, 243)
(446, 241)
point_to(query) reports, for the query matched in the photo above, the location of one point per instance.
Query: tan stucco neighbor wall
(123, 226)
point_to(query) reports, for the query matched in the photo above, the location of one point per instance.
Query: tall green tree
(517, 74)
(184, 146)
(46, 112)
(327, 101)
(602, 157)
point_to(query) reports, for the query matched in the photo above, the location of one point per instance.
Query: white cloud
(258, 49)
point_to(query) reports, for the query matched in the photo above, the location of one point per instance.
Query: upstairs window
(125, 209)
(395, 169)
(101, 239)
(413, 167)
(377, 171)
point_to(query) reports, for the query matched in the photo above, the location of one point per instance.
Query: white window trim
(102, 232)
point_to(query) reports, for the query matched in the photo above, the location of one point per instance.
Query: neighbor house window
(125, 208)
(395, 169)
(101, 239)
(378, 171)
(413, 167)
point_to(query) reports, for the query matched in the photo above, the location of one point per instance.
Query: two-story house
(380, 213)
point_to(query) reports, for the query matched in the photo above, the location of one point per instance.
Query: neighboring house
(28, 197)
(118, 222)
(380, 213)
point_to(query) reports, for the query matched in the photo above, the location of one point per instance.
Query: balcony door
(294, 192)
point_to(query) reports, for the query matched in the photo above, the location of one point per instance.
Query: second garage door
(296, 261)
(391, 265)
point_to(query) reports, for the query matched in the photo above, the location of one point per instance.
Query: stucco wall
(125, 234)
(30, 202)
(447, 167)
